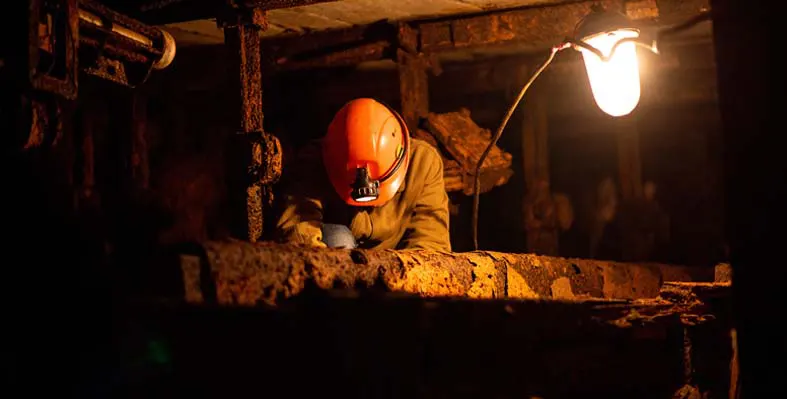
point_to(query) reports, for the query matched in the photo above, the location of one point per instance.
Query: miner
(367, 184)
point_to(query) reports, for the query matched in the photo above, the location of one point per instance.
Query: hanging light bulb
(614, 80)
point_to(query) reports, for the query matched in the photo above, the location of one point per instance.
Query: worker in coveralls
(368, 185)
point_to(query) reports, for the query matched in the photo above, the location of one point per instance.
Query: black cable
(496, 137)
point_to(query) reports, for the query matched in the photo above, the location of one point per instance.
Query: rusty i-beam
(255, 156)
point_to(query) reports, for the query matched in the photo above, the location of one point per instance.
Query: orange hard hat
(366, 152)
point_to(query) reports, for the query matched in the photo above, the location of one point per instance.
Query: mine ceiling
(192, 21)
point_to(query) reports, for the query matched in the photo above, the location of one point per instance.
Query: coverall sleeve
(428, 225)
(302, 214)
(301, 221)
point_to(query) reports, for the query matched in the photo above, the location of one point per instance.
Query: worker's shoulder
(424, 150)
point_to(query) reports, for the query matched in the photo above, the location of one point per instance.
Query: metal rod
(96, 20)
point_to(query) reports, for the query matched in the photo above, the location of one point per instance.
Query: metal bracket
(266, 165)
(61, 76)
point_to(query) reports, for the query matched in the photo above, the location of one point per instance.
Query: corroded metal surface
(246, 274)
(465, 141)
(257, 159)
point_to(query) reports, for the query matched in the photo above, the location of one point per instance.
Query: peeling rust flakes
(517, 286)
(561, 289)
(254, 211)
(484, 273)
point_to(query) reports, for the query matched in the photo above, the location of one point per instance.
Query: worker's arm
(428, 225)
(301, 219)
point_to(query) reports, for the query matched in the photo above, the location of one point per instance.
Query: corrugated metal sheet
(346, 13)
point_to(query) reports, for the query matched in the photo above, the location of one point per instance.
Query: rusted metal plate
(242, 273)
(256, 158)
(465, 140)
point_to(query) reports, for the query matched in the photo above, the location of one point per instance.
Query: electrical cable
(653, 46)
(499, 132)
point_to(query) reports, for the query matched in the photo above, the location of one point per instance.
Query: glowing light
(615, 83)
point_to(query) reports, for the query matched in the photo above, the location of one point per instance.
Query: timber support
(413, 80)
(533, 28)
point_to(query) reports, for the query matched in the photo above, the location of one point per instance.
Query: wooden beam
(535, 149)
(538, 27)
(413, 81)
(413, 88)
(335, 48)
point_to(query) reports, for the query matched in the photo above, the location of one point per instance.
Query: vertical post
(413, 81)
(535, 146)
(255, 156)
(540, 224)
(140, 172)
(629, 163)
(752, 83)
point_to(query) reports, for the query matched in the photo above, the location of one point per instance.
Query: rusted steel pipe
(242, 273)
(156, 44)
(95, 20)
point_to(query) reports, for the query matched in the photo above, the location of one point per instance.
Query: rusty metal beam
(241, 273)
(255, 162)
